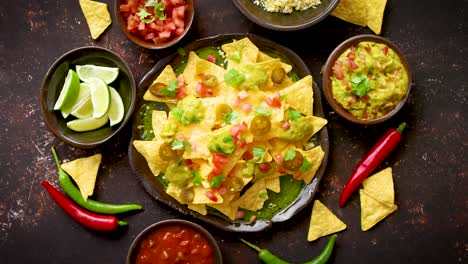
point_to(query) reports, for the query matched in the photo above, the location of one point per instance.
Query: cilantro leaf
(289, 155)
(306, 165)
(216, 181)
(180, 144)
(262, 195)
(360, 84)
(158, 9)
(258, 153)
(293, 114)
(231, 117)
(171, 89)
(234, 78)
(142, 14)
(262, 110)
(197, 178)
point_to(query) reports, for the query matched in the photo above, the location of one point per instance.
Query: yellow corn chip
(353, 11)
(263, 57)
(228, 208)
(310, 124)
(372, 210)
(323, 222)
(375, 13)
(199, 208)
(97, 16)
(300, 96)
(165, 77)
(254, 197)
(150, 150)
(200, 196)
(243, 49)
(273, 184)
(314, 157)
(84, 172)
(158, 122)
(380, 186)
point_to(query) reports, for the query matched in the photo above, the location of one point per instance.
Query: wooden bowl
(190, 13)
(328, 72)
(53, 83)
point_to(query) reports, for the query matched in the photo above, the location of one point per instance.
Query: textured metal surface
(429, 166)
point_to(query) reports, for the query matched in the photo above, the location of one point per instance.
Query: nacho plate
(157, 189)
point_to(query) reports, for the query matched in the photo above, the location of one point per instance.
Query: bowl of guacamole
(366, 79)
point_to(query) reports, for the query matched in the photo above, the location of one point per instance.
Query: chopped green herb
(262, 195)
(231, 117)
(293, 114)
(180, 144)
(258, 153)
(216, 181)
(181, 52)
(283, 96)
(178, 160)
(197, 178)
(182, 117)
(262, 110)
(360, 84)
(171, 89)
(235, 57)
(142, 14)
(306, 165)
(158, 8)
(233, 77)
(289, 155)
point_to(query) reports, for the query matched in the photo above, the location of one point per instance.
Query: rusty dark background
(429, 166)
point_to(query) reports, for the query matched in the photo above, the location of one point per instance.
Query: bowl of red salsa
(154, 24)
(174, 241)
(366, 79)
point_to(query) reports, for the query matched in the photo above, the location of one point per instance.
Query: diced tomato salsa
(158, 27)
(174, 244)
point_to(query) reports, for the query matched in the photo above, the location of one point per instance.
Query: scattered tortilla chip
(323, 222)
(380, 186)
(97, 16)
(362, 12)
(84, 172)
(150, 150)
(372, 210)
(300, 95)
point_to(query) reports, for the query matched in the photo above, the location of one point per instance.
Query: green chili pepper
(265, 255)
(326, 253)
(95, 206)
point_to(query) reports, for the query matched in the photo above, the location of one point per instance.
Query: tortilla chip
(228, 208)
(254, 197)
(84, 172)
(315, 157)
(375, 13)
(353, 11)
(380, 186)
(244, 49)
(174, 191)
(150, 150)
(201, 198)
(158, 122)
(165, 77)
(268, 66)
(300, 95)
(261, 57)
(273, 184)
(323, 222)
(97, 16)
(372, 210)
(199, 208)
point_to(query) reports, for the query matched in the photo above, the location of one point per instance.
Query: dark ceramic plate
(53, 83)
(286, 22)
(156, 189)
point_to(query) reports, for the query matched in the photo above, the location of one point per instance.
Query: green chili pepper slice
(95, 206)
(326, 253)
(265, 255)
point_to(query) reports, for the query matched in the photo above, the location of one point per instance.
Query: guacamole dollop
(369, 80)
(222, 142)
(255, 77)
(298, 130)
(189, 110)
(178, 173)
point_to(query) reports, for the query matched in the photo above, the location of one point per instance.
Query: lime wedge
(82, 125)
(69, 91)
(107, 74)
(100, 97)
(83, 109)
(85, 91)
(116, 111)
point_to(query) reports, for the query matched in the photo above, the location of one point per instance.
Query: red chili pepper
(86, 218)
(374, 158)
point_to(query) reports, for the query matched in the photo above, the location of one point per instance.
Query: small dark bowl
(190, 13)
(133, 250)
(285, 22)
(53, 83)
(328, 72)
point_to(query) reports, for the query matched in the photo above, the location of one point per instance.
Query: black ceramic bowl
(189, 14)
(286, 22)
(53, 83)
(328, 72)
(133, 250)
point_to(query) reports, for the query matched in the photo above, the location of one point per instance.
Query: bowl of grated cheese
(286, 15)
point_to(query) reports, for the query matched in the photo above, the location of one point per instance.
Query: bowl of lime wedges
(87, 96)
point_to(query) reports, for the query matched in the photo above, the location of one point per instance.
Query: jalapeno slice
(234, 184)
(277, 75)
(187, 195)
(156, 88)
(260, 125)
(294, 163)
(222, 110)
(209, 80)
(166, 152)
